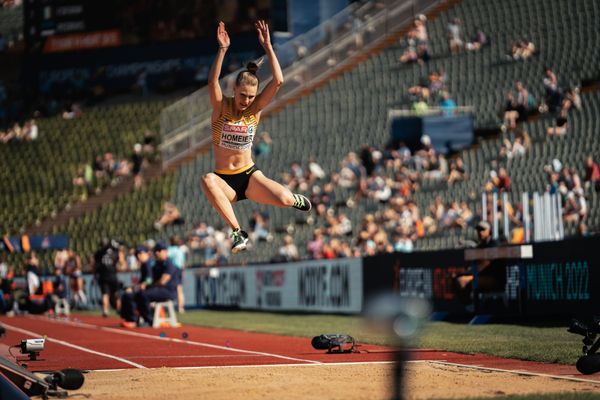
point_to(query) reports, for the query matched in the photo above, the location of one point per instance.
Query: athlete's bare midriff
(231, 160)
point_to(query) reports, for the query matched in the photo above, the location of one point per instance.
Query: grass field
(511, 341)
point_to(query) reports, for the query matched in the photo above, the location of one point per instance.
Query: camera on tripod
(589, 363)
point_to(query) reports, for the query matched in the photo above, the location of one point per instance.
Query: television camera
(589, 362)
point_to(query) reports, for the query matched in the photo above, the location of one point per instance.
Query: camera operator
(104, 268)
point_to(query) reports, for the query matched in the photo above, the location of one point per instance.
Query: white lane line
(267, 366)
(198, 356)
(175, 340)
(74, 346)
(517, 372)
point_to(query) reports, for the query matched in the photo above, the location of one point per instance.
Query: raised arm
(216, 96)
(273, 86)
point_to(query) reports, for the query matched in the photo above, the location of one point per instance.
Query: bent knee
(209, 181)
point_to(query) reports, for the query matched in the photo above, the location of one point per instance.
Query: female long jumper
(234, 122)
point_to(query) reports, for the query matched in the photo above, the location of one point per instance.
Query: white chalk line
(176, 340)
(517, 372)
(266, 366)
(74, 346)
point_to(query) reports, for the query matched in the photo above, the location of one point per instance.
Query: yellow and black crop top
(229, 133)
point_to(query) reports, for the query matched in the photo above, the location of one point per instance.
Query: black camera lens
(578, 328)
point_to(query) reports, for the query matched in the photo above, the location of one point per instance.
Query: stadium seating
(352, 110)
(335, 119)
(37, 181)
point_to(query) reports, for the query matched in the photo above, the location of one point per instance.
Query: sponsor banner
(319, 286)
(553, 278)
(82, 41)
(562, 277)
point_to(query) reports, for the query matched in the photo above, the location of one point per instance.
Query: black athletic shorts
(108, 286)
(239, 181)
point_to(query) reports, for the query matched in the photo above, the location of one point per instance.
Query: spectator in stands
(592, 174)
(522, 102)
(137, 161)
(575, 208)
(570, 100)
(522, 49)
(149, 145)
(447, 105)
(262, 148)
(421, 91)
(552, 93)
(420, 28)
(457, 171)
(402, 241)
(315, 245)
(478, 41)
(259, 227)
(72, 112)
(30, 131)
(170, 215)
(559, 128)
(501, 180)
(109, 164)
(288, 250)
(416, 44)
(122, 169)
(455, 41)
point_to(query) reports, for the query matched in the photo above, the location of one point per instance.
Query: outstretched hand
(222, 36)
(263, 33)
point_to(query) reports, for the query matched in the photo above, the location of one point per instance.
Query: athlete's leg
(220, 196)
(266, 191)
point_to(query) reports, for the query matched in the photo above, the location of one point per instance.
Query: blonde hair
(248, 76)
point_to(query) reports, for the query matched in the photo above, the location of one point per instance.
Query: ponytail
(248, 76)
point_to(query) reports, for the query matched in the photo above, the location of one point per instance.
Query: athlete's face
(244, 96)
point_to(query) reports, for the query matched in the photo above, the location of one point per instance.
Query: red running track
(95, 343)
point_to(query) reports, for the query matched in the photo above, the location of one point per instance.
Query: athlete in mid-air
(234, 122)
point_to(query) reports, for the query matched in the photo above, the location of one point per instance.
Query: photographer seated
(163, 288)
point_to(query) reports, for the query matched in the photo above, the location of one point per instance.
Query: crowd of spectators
(521, 49)
(108, 170)
(27, 132)
(416, 46)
